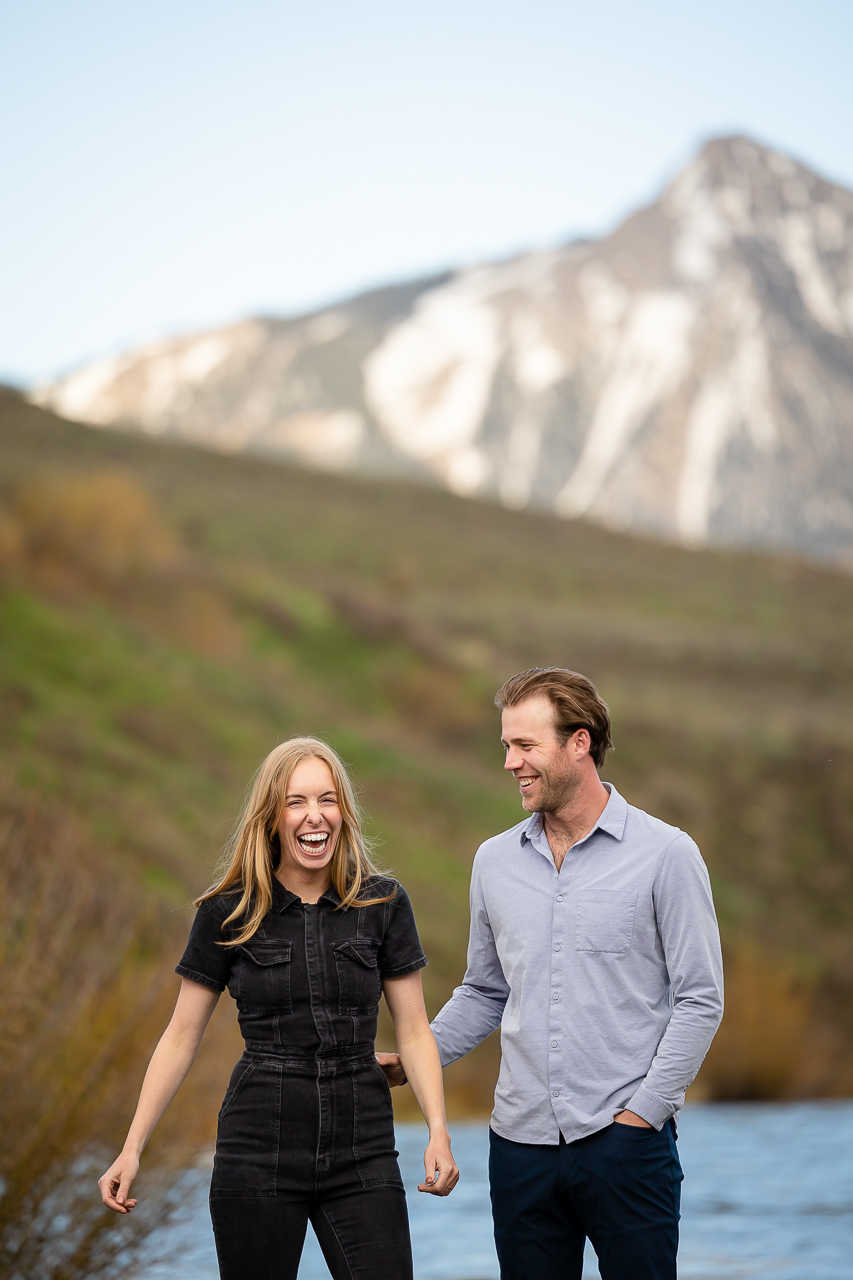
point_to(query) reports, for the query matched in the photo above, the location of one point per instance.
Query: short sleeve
(205, 960)
(401, 951)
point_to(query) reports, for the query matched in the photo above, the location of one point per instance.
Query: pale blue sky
(176, 164)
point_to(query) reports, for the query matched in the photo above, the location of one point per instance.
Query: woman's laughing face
(310, 822)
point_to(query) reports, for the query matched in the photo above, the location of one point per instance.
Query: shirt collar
(615, 813)
(282, 898)
(612, 819)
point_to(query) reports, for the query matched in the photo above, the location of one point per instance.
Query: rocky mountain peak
(688, 376)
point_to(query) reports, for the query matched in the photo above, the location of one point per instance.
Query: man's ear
(582, 742)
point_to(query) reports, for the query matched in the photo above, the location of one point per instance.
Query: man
(594, 946)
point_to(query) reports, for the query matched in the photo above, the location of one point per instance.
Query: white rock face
(650, 357)
(690, 376)
(429, 381)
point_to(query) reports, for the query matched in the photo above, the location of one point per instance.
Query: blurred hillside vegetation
(167, 615)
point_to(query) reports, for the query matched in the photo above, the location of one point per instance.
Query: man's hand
(630, 1117)
(393, 1068)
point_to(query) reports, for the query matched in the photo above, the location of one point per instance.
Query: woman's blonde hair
(249, 862)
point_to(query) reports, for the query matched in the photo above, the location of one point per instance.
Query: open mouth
(314, 843)
(525, 783)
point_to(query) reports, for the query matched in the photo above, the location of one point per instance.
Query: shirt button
(555, 996)
(553, 1044)
(559, 897)
(555, 1093)
(557, 946)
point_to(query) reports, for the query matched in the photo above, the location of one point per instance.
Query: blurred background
(356, 357)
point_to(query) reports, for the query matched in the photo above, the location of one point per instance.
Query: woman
(306, 936)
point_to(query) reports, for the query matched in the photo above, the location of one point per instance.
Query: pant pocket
(373, 1128)
(247, 1139)
(638, 1174)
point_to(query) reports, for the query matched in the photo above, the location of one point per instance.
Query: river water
(768, 1193)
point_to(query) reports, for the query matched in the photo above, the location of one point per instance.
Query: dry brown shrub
(83, 996)
(757, 1052)
(101, 533)
(101, 528)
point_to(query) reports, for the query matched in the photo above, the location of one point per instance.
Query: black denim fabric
(306, 1127)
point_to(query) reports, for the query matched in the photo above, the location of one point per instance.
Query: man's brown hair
(575, 700)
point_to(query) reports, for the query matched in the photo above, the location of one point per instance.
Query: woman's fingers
(442, 1182)
(441, 1173)
(109, 1188)
(447, 1180)
(115, 1185)
(123, 1188)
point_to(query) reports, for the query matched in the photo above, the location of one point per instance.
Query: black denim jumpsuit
(306, 1127)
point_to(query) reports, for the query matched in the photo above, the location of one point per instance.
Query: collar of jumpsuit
(282, 897)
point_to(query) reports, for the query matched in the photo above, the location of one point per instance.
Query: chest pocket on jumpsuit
(359, 981)
(264, 977)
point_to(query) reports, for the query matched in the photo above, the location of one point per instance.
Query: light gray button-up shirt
(605, 977)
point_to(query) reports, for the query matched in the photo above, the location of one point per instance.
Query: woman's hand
(439, 1167)
(116, 1182)
(169, 1064)
(419, 1063)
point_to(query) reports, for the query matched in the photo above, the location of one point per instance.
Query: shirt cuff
(649, 1107)
(183, 972)
(446, 1055)
(401, 972)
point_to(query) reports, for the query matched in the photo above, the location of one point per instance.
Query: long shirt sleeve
(476, 1007)
(604, 976)
(687, 926)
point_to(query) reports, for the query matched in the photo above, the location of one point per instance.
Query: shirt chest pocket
(359, 980)
(264, 978)
(605, 920)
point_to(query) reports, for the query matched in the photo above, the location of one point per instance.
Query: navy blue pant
(620, 1187)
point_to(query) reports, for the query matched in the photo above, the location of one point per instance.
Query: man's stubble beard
(557, 788)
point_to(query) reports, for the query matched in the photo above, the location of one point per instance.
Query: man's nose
(513, 760)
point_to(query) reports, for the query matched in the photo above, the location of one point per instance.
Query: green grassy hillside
(167, 615)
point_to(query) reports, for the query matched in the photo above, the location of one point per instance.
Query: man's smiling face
(547, 771)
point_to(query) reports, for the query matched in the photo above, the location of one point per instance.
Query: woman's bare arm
(166, 1072)
(419, 1056)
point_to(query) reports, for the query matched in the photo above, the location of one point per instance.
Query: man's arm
(690, 938)
(476, 1007)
